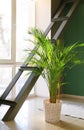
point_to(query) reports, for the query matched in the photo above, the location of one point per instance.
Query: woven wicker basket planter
(52, 111)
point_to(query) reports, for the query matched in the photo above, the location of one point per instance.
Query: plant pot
(52, 111)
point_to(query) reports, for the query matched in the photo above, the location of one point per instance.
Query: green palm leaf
(51, 59)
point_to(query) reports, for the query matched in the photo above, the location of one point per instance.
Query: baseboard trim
(72, 96)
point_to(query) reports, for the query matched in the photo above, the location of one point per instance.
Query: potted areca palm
(51, 60)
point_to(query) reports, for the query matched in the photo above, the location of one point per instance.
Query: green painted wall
(75, 32)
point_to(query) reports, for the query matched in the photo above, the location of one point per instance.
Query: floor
(31, 117)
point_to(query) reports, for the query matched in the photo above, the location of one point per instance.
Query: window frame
(12, 62)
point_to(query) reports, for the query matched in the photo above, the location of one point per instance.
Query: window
(24, 20)
(5, 29)
(15, 20)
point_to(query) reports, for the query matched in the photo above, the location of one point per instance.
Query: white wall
(43, 13)
(41, 88)
(43, 18)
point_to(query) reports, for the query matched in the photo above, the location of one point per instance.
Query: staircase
(62, 17)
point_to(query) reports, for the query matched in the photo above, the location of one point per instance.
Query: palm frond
(51, 59)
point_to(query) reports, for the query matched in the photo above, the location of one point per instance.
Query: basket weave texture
(52, 111)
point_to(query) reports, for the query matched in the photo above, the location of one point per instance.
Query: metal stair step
(52, 40)
(59, 19)
(7, 102)
(68, 1)
(24, 68)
